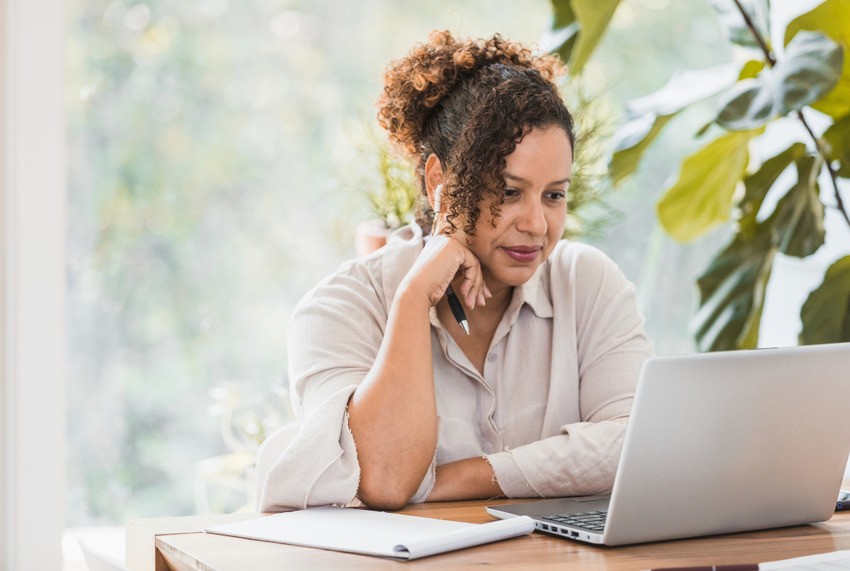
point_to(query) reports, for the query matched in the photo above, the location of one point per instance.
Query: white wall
(32, 452)
(3, 426)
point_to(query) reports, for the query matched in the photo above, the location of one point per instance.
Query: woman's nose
(532, 219)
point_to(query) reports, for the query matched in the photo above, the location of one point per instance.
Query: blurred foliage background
(784, 100)
(217, 172)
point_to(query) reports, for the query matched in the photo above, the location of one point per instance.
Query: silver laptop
(718, 443)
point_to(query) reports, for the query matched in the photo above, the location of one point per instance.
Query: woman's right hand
(444, 258)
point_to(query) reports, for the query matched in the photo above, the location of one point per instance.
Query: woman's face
(512, 246)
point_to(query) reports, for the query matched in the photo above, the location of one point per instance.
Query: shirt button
(491, 357)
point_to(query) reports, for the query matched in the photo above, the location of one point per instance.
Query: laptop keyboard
(591, 521)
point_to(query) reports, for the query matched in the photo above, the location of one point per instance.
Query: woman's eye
(511, 192)
(556, 195)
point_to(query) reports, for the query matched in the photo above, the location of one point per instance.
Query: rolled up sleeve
(581, 461)
(333, 337)
(320, 466)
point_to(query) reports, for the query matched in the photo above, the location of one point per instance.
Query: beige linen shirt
(548, 412)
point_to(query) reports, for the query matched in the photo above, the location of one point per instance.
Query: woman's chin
(514, 277)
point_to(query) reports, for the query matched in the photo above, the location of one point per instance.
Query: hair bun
(417, 83)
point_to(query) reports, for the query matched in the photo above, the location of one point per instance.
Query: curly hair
(469, 102)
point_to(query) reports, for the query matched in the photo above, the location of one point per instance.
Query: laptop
(719, 443)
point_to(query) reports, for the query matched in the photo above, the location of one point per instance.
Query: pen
(454, 302)
(457, 309)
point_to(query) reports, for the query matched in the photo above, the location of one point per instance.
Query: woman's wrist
(412, 294)
(468, 479)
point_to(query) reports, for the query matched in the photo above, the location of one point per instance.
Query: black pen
(454, 302)
(457, 309)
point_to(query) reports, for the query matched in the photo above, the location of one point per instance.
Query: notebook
(376, 533)
(718, 443)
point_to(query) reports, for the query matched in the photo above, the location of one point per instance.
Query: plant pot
(370, 236)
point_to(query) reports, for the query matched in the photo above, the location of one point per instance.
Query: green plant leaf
(833, 19)
(798, 218)
(647, 116)
(734, 24)
(810, 69)
(837, 138)
(732, 294)
(629, 150)
(561, 37)
(751, 69)
(684, 89)
(702, 195)
(826, 312)
(760, 182)
(577, 27)
(594, 17)
(746, 106)
(562, 14)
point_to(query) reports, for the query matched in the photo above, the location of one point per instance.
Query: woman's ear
(433, 177)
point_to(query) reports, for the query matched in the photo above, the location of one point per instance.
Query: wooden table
(179, 544)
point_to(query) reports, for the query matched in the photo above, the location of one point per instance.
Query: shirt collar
(535, 293)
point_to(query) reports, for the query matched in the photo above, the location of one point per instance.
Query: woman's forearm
(393, 413)
(468, 479)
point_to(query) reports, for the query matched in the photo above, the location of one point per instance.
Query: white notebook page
(373, 533)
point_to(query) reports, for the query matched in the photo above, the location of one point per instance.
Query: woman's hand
(444, 258)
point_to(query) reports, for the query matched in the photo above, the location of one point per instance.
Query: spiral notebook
(375, 533)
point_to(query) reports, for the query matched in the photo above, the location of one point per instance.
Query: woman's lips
(522, 253)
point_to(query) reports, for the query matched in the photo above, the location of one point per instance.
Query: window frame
(33, 174)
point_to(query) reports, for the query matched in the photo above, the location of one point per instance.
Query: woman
(398, 403)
